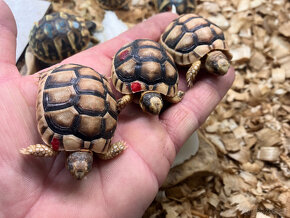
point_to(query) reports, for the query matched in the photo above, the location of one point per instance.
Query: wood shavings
(278, 75)
(280, 47)
(241, 53)
(247, 168)
(257, 61)
(244, 202)
(268, 137)
(220, 20)
(270, 154)
(261, 215)
(285, 29)
(242, 156)
(205, 162)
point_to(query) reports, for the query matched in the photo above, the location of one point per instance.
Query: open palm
(121, 187)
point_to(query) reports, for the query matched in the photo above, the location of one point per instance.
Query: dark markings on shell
(43, 129)
(73, 102)
(184, 6)
(137, 75)
(49, 39)
(112, 4)
(196, 42)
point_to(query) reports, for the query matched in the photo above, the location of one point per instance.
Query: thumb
(8, 34)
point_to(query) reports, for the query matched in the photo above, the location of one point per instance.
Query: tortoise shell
(57, 36)
(190, 37)
(182, 6)
(112, 4)
(144, 65)
(76, 109)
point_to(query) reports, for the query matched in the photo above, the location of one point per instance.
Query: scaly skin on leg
(175, 99)
(38, 150)
(115, 149)
(122, 102)
(94, 40)
(191, 73)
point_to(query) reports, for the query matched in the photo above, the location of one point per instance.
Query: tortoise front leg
(122, 102)
(115, 149)
(191, 73)
(38, 150)
(175, 99)
(94, 40)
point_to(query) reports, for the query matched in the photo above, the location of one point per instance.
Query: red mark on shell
(136, 87)
(55, 143)
(123, 55)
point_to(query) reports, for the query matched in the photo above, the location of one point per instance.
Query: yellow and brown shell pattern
(112, 4)
(190, 37)
(144, 65)
(182, 6)
(57, 36)
(76, 109)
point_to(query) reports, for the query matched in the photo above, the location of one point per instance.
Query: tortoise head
(217, 63)
(151, 102)
(80, 163)
(91, 26)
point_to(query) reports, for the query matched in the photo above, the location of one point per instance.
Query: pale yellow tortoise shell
(190, 37)
(76, 109)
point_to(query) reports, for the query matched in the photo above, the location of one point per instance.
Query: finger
(100, 57)
(8, 34)
(182, 119)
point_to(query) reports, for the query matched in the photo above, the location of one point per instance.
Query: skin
(121, 187)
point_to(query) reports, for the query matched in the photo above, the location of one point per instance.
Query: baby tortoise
(59, 35)
(144, 67)
(181, 6)
(113, 4)
(76, 113)
(192, 40)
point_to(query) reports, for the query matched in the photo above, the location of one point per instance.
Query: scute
(58, 36)
(146, 65)
(88, 114)
(182, 6)
(190, 37)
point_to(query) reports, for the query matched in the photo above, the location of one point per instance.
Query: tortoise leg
(217, 63)
(30, 61)
(94, 40)
(122, 102)
(38, 150)
(115, 149)
(175, 99)
(191, 73)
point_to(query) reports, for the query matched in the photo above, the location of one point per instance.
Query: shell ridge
(186, 21)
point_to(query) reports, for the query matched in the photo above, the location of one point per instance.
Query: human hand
(121, 187)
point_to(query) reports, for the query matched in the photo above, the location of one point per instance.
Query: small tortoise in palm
(76, 113)
(181, 6)
(113, 4)
(144, 70)
(191, 40)
(59, 35)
